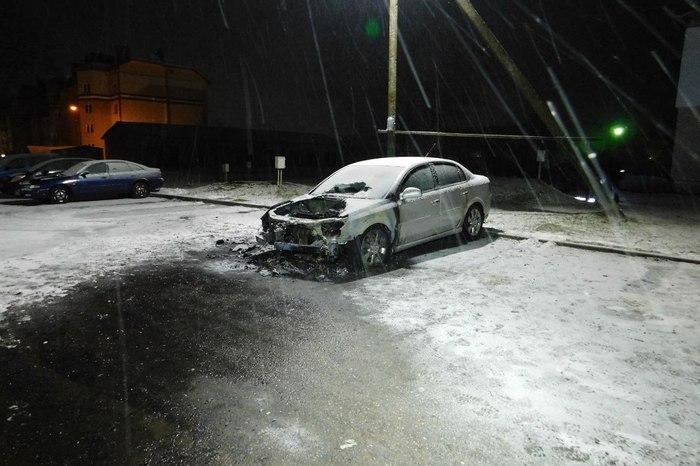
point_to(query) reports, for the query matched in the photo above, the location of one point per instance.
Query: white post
(280, 165)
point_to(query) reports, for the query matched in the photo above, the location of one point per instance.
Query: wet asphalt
(195, 363)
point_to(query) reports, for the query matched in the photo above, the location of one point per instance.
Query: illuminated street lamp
(618, 131)
(73, 108)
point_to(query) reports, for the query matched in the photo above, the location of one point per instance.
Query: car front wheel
(373, 248)
(140, 190)
(59, 195)
(473, 222)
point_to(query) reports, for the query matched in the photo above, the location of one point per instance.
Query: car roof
(61, 159)
(405, 162)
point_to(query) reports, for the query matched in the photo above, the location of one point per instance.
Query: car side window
(449, 174)
(421, 178)
(96, 168)
(119, 167)
(63, 164)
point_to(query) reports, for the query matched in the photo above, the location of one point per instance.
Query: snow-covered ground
(549, 354)
(259, 193)
(47, 248)
(541, 353)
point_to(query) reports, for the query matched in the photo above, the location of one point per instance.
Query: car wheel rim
(374, 248)
(474, 222)
(60, 195)
(140, 190)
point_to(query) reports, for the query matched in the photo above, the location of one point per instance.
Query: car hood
(49, 176)
(57, 177)
(311, 206)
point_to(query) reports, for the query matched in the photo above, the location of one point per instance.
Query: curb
(209, 201)
(602, 248)
(564, 243)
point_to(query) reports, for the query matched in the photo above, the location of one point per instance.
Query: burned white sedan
(373, 208)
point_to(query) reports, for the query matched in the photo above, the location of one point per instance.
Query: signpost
(541, 158)
(225, 169)
(280, 165)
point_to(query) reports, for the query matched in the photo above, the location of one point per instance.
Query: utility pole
(502, 56)
(546, 115)
(391, 114)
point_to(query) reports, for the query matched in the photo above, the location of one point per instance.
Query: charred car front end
(323, 224)
(311, 225)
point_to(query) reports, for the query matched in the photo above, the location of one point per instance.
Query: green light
(372, 28)
(618, 131)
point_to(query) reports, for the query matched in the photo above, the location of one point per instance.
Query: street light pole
(391, 114)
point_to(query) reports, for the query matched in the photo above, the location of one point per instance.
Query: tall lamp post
(391, 113)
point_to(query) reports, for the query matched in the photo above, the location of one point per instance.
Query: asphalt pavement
(175, 362)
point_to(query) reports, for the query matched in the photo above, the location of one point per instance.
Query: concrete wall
(685, 166)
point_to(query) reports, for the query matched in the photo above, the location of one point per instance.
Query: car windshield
(75, 169)
(42, 165)
(365, 181)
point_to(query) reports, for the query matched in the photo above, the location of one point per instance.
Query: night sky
(269, 44)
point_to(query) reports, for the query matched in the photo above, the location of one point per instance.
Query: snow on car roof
(400, 161)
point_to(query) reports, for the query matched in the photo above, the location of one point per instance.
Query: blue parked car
(14, 164)
(98, 179)
(19, 184)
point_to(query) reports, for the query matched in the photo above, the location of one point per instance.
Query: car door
(93, 181)
(419, 219)
(121, 177)
(454, 192)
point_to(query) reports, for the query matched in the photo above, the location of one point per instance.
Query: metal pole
(505, 60)
(391, 114)
(546, 114)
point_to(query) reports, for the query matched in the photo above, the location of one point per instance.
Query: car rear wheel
(59, 195)
(140, 190)
(473, 223)
(373, 248)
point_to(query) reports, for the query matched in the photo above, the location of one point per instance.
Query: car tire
(140, 190)
(59, 195)
(372, 249)
(473, 223)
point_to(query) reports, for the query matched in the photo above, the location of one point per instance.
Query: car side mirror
(83, 175)
(411, 194)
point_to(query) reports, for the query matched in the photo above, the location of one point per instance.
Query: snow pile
(259, 193)
(531, 194)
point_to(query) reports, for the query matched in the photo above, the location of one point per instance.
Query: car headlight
(331, 228)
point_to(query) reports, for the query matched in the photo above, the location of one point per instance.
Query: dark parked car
(19, 184)
(98, 179)
(14, 164)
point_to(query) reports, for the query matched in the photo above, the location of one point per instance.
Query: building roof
(98, 65)
(122, 128)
